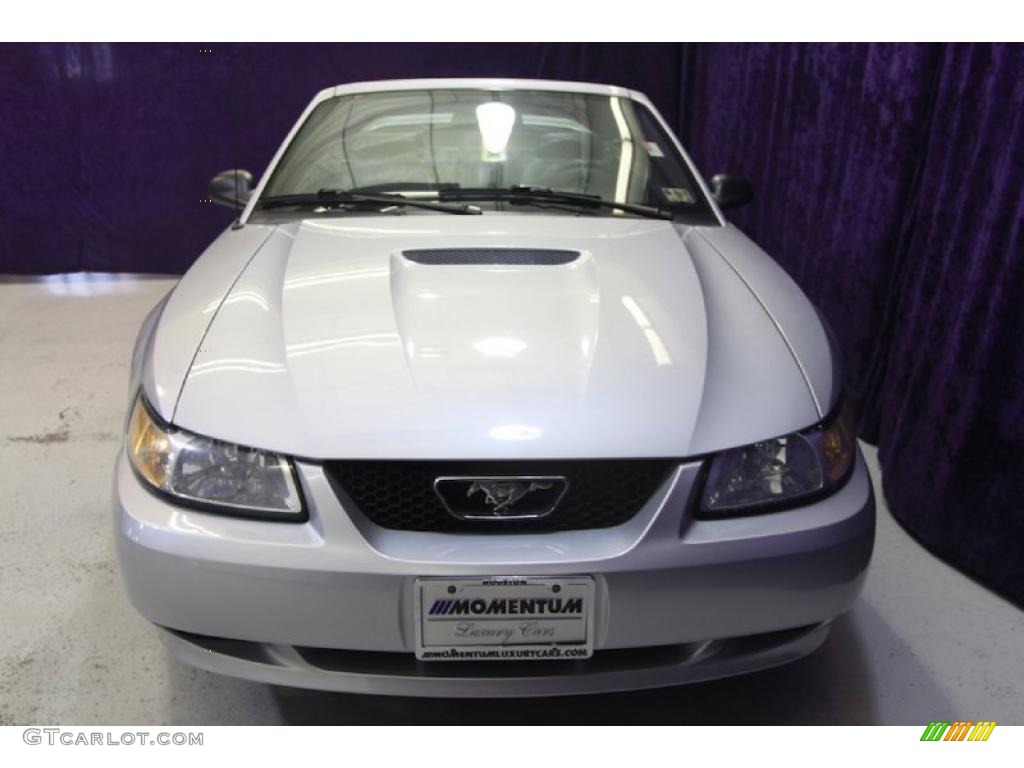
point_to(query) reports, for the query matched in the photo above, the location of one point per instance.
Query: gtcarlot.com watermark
(78, 738)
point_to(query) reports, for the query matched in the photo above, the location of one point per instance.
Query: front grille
(400, 494)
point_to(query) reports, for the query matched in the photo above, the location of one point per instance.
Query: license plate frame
(504, 618)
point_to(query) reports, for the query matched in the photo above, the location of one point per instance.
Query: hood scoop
(518, 257)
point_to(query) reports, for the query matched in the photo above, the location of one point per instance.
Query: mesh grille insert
(400, 494)
(491, 256)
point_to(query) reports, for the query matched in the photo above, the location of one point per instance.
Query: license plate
(505, 618)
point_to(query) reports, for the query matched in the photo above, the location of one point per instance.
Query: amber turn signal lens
(149, 448)
(838, 446)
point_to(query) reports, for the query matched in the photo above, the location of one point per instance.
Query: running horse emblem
(503, 494)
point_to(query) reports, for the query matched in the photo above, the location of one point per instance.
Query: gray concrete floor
(922, 643)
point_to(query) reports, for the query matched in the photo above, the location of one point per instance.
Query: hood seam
(209, 325)
(771, 316)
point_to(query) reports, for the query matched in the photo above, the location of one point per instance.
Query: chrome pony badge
(500, 498)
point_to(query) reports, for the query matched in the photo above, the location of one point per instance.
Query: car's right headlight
(781, 472)
(210, 474)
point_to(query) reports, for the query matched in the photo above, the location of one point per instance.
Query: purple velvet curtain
(889, 185)
(949, 408)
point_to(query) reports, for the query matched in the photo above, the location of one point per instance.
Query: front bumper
(329, 603)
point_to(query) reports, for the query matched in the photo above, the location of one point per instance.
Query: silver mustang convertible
(482, 396)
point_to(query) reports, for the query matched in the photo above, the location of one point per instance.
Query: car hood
(334, 341)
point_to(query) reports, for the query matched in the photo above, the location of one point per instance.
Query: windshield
(418, 142)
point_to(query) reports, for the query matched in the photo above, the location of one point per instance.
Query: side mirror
(731, 191)
(230, 188)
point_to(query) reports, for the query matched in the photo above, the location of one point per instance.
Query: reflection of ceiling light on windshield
(625, 154)
(496, 120)
(499, 346)
(398, 121)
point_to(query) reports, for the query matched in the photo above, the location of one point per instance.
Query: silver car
(481, 395)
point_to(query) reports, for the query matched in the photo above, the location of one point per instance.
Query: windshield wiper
(527, 195)
(333, 197)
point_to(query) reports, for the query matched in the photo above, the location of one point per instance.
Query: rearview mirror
(731, 191)
(231, 188)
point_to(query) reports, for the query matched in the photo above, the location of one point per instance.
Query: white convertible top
(481, 83)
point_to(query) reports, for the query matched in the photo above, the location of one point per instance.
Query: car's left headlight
(210, 474)
(781, 472)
